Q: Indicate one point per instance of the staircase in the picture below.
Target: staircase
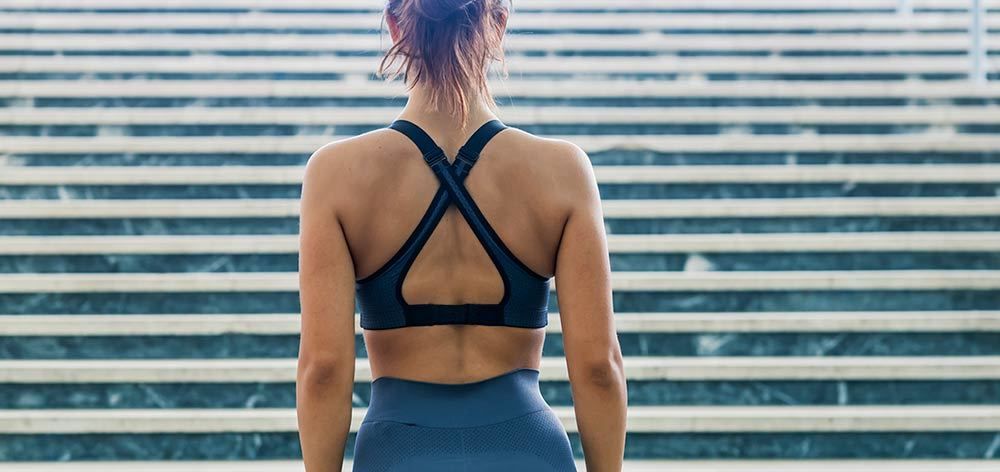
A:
(802, 200)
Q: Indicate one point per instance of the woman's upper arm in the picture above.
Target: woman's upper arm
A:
(583, 271)
(326, 270)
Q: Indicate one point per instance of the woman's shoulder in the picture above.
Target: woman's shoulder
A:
(349, 158)
(345, 151)
(546, 154)
(352, 161)
(560, 162)
(342, 166)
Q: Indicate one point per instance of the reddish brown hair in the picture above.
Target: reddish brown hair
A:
(447, 45)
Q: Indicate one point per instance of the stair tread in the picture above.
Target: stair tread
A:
(605, 174)
(648, 322)
(649, 419)
(858, 280)
(882, 368)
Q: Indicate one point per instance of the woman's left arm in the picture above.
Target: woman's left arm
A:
(325, 377)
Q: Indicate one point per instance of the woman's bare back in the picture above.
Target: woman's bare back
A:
(516, 185)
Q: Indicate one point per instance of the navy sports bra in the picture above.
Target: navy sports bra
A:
(525, 299)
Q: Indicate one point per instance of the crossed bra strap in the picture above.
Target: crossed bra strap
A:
(451, 176)
(434, 156)
(525, 299)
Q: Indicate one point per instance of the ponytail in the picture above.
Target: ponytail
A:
(448, 46)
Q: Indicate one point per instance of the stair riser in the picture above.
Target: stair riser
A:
(760, 261)
(913, 445)
(707, 301)
(608, 191)
(225, 226)
(762, 127)
(632, 344)
(618, 157)
(641, 392)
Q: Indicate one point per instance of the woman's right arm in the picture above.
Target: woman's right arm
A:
(593, 354)
(324, 382)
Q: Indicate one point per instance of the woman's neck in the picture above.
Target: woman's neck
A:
(441, 122)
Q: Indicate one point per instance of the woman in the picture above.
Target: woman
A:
(450, 266)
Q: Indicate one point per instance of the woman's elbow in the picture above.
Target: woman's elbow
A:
(604, 371)
(323, 374)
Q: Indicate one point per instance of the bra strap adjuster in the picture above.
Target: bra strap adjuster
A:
(434, 156)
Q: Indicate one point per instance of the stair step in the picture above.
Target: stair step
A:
(778, 344)
(646, 262)
(638, 174)
(532, 21)
(633, 209)
(740, 142)
(516, 116)
(660, 446)
(639, 253)
(930, 241)
(552, 369)
(629, 66)
(223, 225)
(621, 281)
(516, 87)
(832, 291)
(642, 419)
(610, 192)
(625, 323)
(601, 43)
(722, 392)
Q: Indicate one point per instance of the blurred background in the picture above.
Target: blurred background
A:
(802, 199)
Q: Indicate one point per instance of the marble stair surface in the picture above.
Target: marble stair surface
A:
(802, 201)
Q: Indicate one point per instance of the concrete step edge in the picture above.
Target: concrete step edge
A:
(632, 208)
(930, 141)
(895, 241)
(647, 41)
(524, 87)
(641, 419)
(622, 281)
(646, 21)
(652, 322)
(516, 116)
(638, 174)
(638, 368)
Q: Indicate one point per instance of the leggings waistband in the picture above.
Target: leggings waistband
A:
(443, 405)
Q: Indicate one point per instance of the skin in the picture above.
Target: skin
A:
(541, 197)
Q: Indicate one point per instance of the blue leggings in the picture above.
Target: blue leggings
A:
(498, 424)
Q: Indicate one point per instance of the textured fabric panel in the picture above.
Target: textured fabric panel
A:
(501, 423)
(382, 446)
(377, 302)
(539, 434)
(532, 442)
(528, 306)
